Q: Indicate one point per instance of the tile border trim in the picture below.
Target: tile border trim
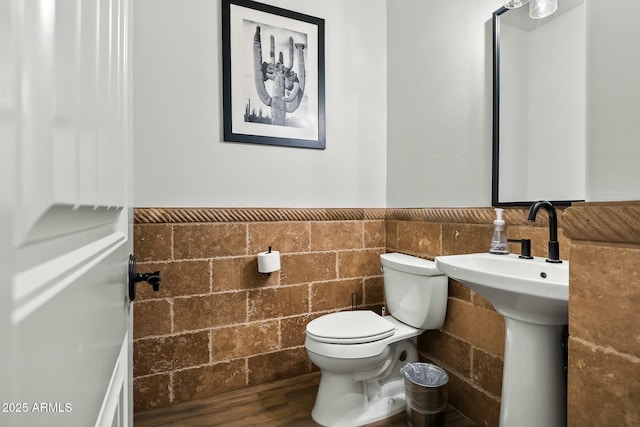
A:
(614, 222)
(484, 215)
(209, 215)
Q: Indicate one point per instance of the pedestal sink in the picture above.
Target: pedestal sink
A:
(533, 296)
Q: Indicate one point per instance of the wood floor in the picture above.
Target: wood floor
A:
(278, 404)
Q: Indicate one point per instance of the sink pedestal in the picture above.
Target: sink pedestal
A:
(533, 380)
(533, 297)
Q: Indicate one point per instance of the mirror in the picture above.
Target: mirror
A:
(539, 112)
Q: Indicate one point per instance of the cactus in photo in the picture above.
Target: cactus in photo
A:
(287, 87)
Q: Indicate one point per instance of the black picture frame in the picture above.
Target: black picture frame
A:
(286, 65)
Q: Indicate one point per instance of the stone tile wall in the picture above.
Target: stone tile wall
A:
(217, 324)
(470, 345)
(604, 319)
(188, 338)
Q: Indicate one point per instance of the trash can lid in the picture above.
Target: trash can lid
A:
(350, 327)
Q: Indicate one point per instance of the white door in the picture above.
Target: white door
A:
(65, 144)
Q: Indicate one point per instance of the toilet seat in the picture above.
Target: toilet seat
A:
(362, 350)
(350, 327)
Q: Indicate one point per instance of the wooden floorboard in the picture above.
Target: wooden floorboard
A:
(285, 403)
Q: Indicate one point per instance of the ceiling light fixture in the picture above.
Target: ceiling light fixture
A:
(514, 4)
(539, 9)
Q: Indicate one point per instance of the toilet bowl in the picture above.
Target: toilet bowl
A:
(360, 353)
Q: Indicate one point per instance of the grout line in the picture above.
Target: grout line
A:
(210, 346)
(171, 392)
(246, 370)
(171, 315)
(605, 349)
(172, 242)
(211, 276)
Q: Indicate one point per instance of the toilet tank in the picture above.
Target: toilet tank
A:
(415, 290)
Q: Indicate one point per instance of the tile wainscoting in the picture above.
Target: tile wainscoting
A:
(218, 325)
(604, 325)
(470, 345)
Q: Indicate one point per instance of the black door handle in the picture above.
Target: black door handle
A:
(153, 279)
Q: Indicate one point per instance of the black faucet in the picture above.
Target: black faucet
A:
(554, 246)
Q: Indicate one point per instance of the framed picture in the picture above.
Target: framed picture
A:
(273, 75)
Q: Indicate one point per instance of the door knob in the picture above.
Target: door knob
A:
(152, 279)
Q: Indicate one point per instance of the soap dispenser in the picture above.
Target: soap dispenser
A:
(499, 244)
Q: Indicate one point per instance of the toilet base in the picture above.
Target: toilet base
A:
(365, 397)
(354, 408)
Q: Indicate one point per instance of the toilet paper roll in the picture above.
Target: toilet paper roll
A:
(268, 262)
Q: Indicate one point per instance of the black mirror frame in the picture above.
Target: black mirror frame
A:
(495, 168)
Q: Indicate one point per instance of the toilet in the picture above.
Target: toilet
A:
(360, 353)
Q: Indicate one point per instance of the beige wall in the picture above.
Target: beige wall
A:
(181, 159)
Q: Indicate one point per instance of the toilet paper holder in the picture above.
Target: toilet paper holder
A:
(268, 261)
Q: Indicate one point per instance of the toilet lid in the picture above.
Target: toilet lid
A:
(350, 327)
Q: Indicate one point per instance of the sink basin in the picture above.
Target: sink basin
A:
(531, 290)
(533, 296)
